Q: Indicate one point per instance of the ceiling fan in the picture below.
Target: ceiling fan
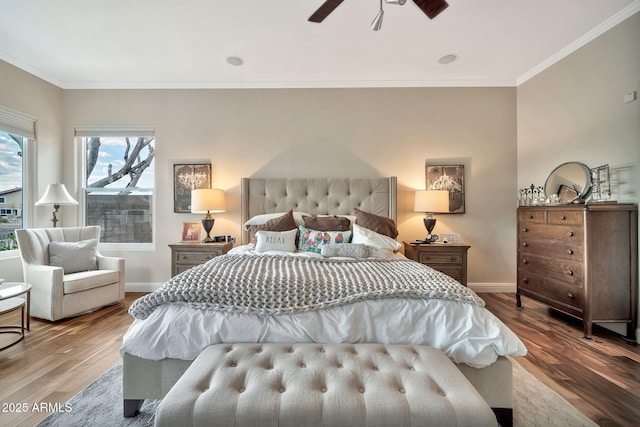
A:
(431, 8)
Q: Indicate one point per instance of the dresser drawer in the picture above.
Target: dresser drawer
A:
(192, 257)
(440, 257)
(552, 232)
(451, 271)
(531, 215)
(558, 269)
(567, 250)
(564, 217)
(551, 290)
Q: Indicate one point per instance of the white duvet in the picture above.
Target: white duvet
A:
(466, 333)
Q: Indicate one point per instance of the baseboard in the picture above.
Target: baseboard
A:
(141, 286)
(492, 287)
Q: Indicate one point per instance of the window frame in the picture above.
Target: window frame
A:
(81, 160)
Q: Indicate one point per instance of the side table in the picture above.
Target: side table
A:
(448, 258)
(187, 255)
(10, 300)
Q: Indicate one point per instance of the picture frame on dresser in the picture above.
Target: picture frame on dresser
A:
(191, 231)
(186, 178)
(450, 178)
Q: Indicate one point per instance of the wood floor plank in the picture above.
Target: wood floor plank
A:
(601, 378)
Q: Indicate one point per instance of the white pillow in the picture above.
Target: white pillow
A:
(380, 246)
(261, 219)
(283, 241)
(74, 256)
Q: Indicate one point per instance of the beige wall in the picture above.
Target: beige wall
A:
(324, 132)
(574, 111)
(30, 95)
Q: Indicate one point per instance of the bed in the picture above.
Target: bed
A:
(169, 333)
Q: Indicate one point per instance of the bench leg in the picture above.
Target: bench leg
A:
(504, 416)
(132, 407)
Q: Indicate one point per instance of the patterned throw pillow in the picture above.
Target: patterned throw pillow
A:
(349, 250)
(283, 241)
(313, 240)
(74, 256)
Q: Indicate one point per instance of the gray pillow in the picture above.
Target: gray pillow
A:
(351, 250)
(74, 256)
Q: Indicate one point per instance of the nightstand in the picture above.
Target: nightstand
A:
(448, 258)
(186, 255)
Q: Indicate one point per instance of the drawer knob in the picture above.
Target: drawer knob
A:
(570, 252)
(570, 295)
(525, 244)
(454, 258)
(183, 257)
(530, 216)
(563, 217)
(525, 229)
(570, 273)
(524, 261)
(525, 281)
(570, 234)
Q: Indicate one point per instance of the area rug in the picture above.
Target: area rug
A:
(100, 404)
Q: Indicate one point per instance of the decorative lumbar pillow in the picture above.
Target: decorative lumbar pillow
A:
(313, 240)
(349, 250)
(74, 256)
(377, 223)
(327, 223)
(285, 222)
(380, 246)
(284, 241)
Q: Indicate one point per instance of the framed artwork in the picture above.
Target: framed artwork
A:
(187, 177)
(191, 231)
(448, 177)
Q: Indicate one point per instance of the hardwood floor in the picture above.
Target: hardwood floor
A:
(56, 360)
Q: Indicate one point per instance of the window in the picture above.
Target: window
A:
(11, 184)
(118, 184)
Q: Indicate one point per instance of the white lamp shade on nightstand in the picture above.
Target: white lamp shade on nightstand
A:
(207, 200)
(432, 201)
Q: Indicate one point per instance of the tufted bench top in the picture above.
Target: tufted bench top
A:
(312, 384)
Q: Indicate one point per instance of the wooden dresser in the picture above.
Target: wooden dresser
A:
(449, 258)
(581, 260)
(187, 255)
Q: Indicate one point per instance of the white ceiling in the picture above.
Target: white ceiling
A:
(185, 43)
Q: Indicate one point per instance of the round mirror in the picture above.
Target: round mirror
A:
(570, 181)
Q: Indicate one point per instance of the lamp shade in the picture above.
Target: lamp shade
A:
(207, 200)
(432, 201)
(56, 194)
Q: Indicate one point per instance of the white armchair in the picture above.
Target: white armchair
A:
(56, 295)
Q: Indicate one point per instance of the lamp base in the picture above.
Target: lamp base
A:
(430, 224)
(207, 224)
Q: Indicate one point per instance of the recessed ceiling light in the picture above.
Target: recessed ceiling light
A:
(234, 60)
(447, 59)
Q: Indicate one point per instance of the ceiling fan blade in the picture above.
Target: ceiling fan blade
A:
(324, 10)
(431, 8)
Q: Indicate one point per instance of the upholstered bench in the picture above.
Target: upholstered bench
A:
(323, 384)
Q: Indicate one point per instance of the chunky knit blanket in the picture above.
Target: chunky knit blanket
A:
(285, 284)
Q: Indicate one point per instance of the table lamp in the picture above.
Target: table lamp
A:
(430, 202)
(209, 200)
(56, 195)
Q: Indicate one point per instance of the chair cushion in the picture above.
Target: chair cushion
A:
(84, 280)
(74, 256)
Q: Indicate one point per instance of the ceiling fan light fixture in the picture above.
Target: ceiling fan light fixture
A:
(447, 59)
(377, 21)
(398, 2)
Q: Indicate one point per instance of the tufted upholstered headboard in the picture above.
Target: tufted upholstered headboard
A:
(318, 196)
